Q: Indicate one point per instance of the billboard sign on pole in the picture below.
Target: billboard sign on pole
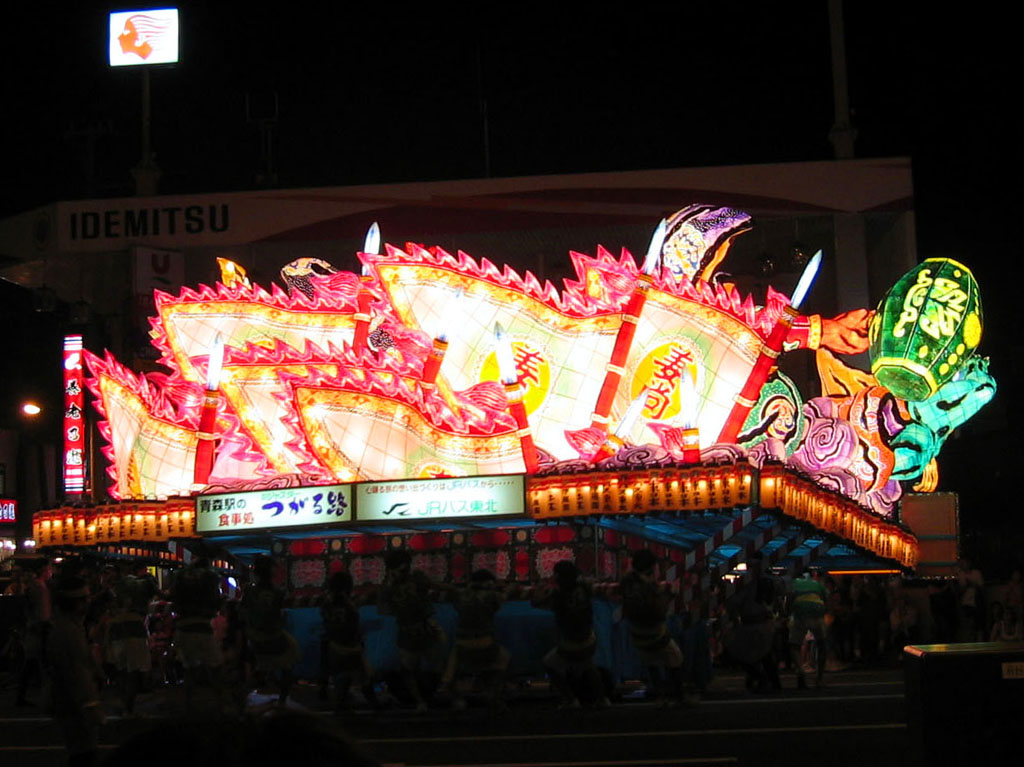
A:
(143, 37)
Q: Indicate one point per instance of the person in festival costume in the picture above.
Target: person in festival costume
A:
(196, 597)
(753, 609)
(75, 677)
(406, 594)
(127, 639)
(346, 658)
(807, 600)
(645, 606)
(572, 657)
(275, 650)
(476, 651)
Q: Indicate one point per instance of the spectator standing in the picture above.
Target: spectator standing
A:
(75, 677)
(1008, 627)
(127, 639)
(942, 604)
(970, 586)
(196, 597)
(1012, 594)
(903, 622)
(38, 616)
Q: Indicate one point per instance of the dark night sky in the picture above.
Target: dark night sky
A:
(376, 96)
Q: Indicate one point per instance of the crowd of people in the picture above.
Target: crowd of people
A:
(86, 628)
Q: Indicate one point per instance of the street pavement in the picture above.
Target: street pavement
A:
(858, 718)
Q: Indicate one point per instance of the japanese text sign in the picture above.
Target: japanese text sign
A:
(280, 507)
(447, 498)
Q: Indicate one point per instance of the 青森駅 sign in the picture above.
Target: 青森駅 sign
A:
(447, 498)
(280, 507)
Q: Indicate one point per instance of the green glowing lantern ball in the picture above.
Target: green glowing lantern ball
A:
(926, 327)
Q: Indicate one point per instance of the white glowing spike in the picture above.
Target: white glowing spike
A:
(653, 259)
(456, 306)
(215, 364)
(636, 407)
(806, 280)
(506, 359)
(372, 242)
(688, 400)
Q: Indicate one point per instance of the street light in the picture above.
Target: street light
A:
(31, 409)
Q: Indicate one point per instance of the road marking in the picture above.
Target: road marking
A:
(800, 699)
(102, 747)
(649, 734)
(830, 683)
(695, 760)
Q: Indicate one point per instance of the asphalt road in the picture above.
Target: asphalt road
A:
(858, 718)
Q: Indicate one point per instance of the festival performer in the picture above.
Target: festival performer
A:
(570, 662)
(127, 638)
(346, 659)
(807, 612)
(196, 597)
(262, 608)
(645, 606)
(753, 610)
(476, 651)
(406, 594)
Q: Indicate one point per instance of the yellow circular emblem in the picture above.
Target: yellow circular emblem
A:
(659, 372)
(533, 370)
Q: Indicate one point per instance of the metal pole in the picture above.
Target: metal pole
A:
(842, 134)
(145, 118)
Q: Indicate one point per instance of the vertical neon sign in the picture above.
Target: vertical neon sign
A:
(74, 417)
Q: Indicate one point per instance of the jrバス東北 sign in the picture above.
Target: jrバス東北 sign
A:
(280, 507)
(447, 498)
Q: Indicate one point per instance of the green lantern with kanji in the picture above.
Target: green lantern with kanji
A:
(926, 327)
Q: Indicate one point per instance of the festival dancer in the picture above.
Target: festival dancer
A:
(262, 608)
(346, 658)
(406, 594)
(571, 660)
(645, 606)
(476, 651)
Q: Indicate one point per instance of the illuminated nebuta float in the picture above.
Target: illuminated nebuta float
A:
(431, 364)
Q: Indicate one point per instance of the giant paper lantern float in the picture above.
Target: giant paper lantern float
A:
(399, 373)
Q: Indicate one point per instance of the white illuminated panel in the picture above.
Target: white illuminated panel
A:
(144, 37)
(265, 509)
(440, 498)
